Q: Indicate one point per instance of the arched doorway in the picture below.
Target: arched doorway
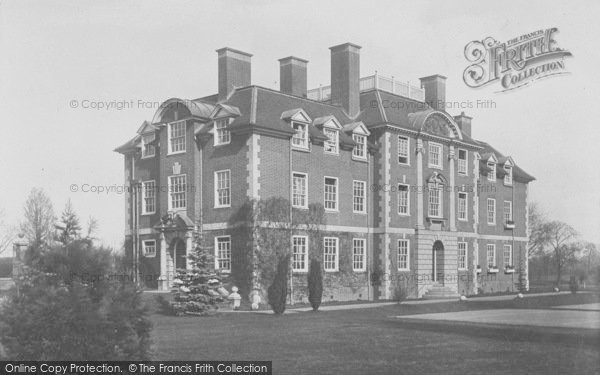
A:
(176, 257)
(438, 262)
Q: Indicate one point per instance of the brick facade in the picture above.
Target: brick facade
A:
(258, 160)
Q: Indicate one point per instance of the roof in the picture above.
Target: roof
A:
(260, 108)
(518, 173)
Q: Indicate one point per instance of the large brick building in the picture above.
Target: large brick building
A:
(411, 199)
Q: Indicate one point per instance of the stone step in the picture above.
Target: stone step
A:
(440, 292)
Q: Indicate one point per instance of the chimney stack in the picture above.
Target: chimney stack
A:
(292, 76)
(345, 77)
(464, 123)
(234, 70)
(435, 91)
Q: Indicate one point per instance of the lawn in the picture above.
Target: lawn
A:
(370, 341)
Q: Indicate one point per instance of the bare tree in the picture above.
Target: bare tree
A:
(539, 237)
(38, 226)
(561, 236)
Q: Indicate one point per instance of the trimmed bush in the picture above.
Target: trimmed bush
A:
(277, 292)
(315, 284)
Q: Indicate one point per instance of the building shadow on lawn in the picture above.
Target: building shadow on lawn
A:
(574, 337)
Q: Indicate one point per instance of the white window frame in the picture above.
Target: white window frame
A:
(400, 152)
(491, 211)
(405, 246)
(145, 191)
(463, 164)
(222, 135)
(360, 150)
(172, 192)
(433, 145)
(170, 139)
(149, 244)
(490, 247)
(508, 217)
(331, 146)
(462, 258)
(219, 261)
(506, 247)
(147, 146)
(508, 177)
(356, 199)
(336, 259)
(464, 208)
(359, 259)
(300, 142)
(407, 206)
(434, 187)
(491, 174)
(296, 193)
(299, 253)
(337, 194)
(217, 197)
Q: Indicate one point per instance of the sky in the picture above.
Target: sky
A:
(59, 59)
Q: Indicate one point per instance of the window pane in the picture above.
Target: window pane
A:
(358, 254)
(299, 262)
(360, 148)
(223, 188)
(330, 253)
(403, 199)
(403, 254)
(358, 199)
(224, 253)
(402, 150)
(177, 140)
(331, 144)
(299, 198)
(330, 194)
(462, 161)
(149, 195)
(178, 191)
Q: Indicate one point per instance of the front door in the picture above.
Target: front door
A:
(438, 262)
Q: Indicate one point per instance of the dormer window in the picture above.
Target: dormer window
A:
(331, 145)
(491, 171)
(300, 138)
(148, 149)
(360, 150)
(222, 135)
(508, 176)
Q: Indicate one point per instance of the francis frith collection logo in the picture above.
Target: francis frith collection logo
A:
(515, 63)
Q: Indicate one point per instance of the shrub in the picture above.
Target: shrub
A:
(573, 284)
(315, 284)
(61, 313)
(277, 292)
(400, 292)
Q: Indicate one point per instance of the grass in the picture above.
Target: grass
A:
(370, 341)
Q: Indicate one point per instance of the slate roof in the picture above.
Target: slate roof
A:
(261, 108)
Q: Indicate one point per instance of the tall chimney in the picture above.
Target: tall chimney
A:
(292, 76)
(435, 91)
(234, 70)
(345, 77)
(464, 123)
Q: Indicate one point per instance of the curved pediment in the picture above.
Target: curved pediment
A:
(437, 178)
(435, 123)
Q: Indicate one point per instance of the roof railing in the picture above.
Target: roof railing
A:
(375, 81)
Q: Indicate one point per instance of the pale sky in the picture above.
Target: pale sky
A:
(148, 51)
